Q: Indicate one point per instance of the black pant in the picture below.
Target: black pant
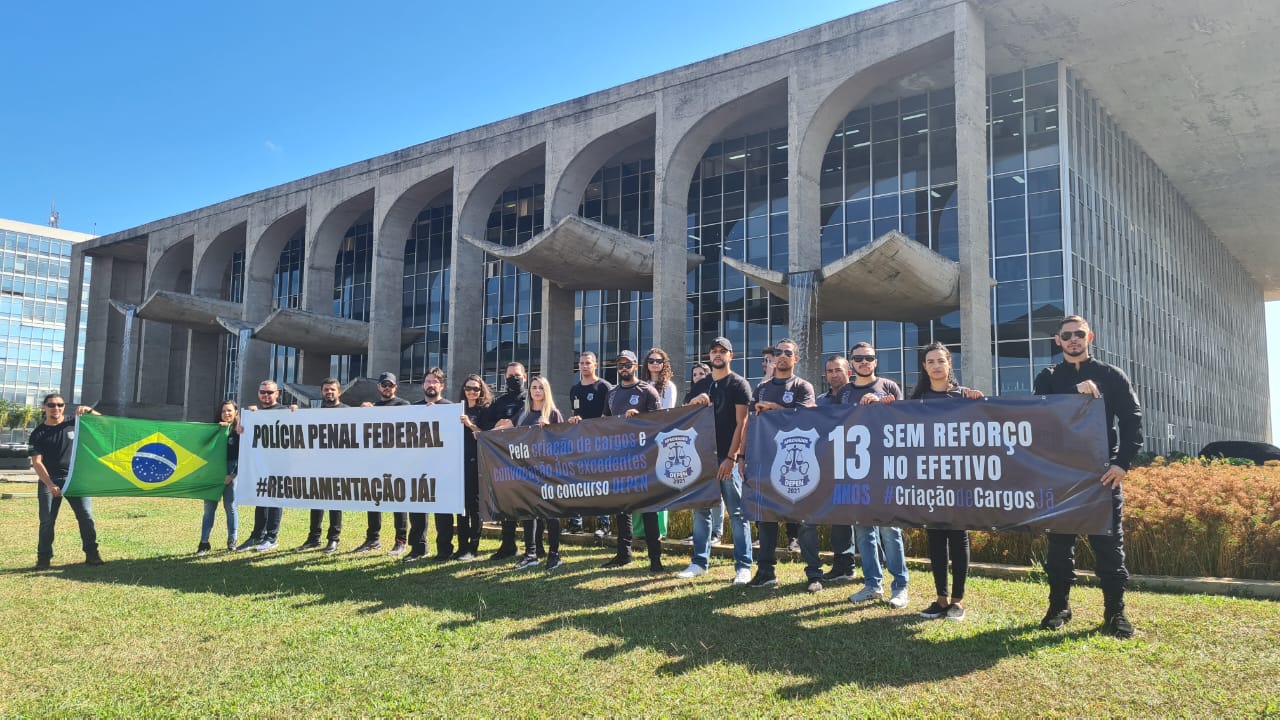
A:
(952, 544)
(469, 524)
(533, 536)
(374, 532)
(266, 523)
(317, 522)
(842, 549)
(625, 536)
(1060, 565)
(508, 535)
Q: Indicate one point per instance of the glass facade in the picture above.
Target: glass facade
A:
(1169, 304)
(233, 290)
(35, 272)
(286, 287)
(352, 285)
(512, 297)
(427, 256)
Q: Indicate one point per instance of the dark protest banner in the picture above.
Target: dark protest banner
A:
(406, 458)
(653, 461)
(1028, 464)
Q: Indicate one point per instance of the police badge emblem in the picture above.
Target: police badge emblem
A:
(678, 463)
(788, 396)
(795, 473)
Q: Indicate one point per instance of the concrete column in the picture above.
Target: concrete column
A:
(202, 371)
(971, 168)
(804, 239)
(123, 283)
(71, 330)
(385, 310)
(557, 341)
(670, 241)
(466, 300)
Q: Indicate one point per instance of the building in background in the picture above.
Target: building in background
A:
(35, 265)
(926, 170)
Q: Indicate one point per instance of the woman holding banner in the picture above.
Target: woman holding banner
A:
(228, 417)
(939, 383)
(476, 397)
(540, 409)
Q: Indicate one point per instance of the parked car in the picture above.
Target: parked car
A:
(1258, 452)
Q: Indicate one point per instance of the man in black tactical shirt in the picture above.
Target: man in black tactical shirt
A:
(587, 398)
(784, 390)
(432, 394)
(507, 406)
(387, 387)
(629, 398)
(52, 444)
(330, 397)
(1080, 373)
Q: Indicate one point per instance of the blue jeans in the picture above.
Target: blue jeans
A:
(731, 493)
(870, 541)
(211, 507)
(717, 519)
(49, 506)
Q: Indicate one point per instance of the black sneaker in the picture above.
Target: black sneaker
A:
(231, 544)
(617, 561)
(1117, 625)
(656, 566)
(309, 545)
(203, 549)
(1056, 617)
(251, 542)
(464, 556)
(43, 563)
(368, 546)
(794, 545)
(413, 557)
(763, 580)
(93, 558)
(331, 547)
(934, 611)
(554, 561)
(834, 575)
(503, 553)
(527, 562)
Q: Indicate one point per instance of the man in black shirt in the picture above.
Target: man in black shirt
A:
(785, 390)
(266, 520)
(728, 395)
(629, 398)
(387, 387)
(330, 397)
(1079, 373)
(587, 398)
(432, 394)
(52, 443)
(507, 406)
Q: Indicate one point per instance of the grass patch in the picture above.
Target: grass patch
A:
(156, 632)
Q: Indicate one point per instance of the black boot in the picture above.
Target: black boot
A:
(1114, 621)
(1059, 612)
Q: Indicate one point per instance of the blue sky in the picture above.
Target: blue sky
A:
(123, 113)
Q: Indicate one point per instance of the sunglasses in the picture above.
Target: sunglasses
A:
(625, 366)
(266, 392)
(55, 405)
(863, 358)
(788, 353)
(470, 388)
(1078, 334)
(385, 384)
(654, 361)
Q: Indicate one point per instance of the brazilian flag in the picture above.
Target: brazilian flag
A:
(136, 458)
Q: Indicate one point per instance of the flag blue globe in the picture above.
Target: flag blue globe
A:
(154, 463)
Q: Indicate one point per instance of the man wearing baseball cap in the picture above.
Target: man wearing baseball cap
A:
(630, 397)
(387, 387)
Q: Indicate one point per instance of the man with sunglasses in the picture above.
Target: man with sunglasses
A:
(266, 520)
(867, 389)
(52, 444)
(785, 390)
(387, 387)
(630, 397)
(1080, 373)
(432, 394)
(330, 397)
(587, 398)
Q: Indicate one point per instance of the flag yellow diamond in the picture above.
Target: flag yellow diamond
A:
(153, 462)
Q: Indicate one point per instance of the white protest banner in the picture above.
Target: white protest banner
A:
(403, 459)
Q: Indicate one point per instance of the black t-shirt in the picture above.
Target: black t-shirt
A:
(506, 406)
(588, 401)
(530, 419)
(726, 395)
(792, 392)
(54, 444)
(441, 401)
(480, 416)
(851, 394)
(955, 393)
(339, 404)
(1118, 398)
(641, 397)
(394, 401)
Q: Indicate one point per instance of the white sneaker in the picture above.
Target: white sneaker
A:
(866, 594)
(898, 600)
(692, 571)
(742, 576)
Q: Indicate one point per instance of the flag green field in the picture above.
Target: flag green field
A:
(140, 458)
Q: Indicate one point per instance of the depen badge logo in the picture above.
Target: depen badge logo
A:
(153, 462)
(678, 463)
(795, 472)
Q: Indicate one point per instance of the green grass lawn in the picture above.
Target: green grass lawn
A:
(156, 632)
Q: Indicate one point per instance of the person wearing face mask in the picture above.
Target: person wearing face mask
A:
(507, 406)
(1080, 373)
(387, 387)
(432, 394)
(330, 397)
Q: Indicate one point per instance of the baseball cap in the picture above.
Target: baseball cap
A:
(388, 377)
(628, 355)
(723, 342)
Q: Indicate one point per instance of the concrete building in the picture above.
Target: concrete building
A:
(925, 170)
(35, 265)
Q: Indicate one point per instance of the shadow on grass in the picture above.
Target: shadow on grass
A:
(822, 642)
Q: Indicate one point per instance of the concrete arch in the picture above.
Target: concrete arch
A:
(212, 265)
(322, 247)
(264, 256)
(480, 198)
(564, 199)
(392, 229)
(172, 270)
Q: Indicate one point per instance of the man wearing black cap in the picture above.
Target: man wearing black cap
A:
(728, 395)
(629, 398)
(387, 386)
